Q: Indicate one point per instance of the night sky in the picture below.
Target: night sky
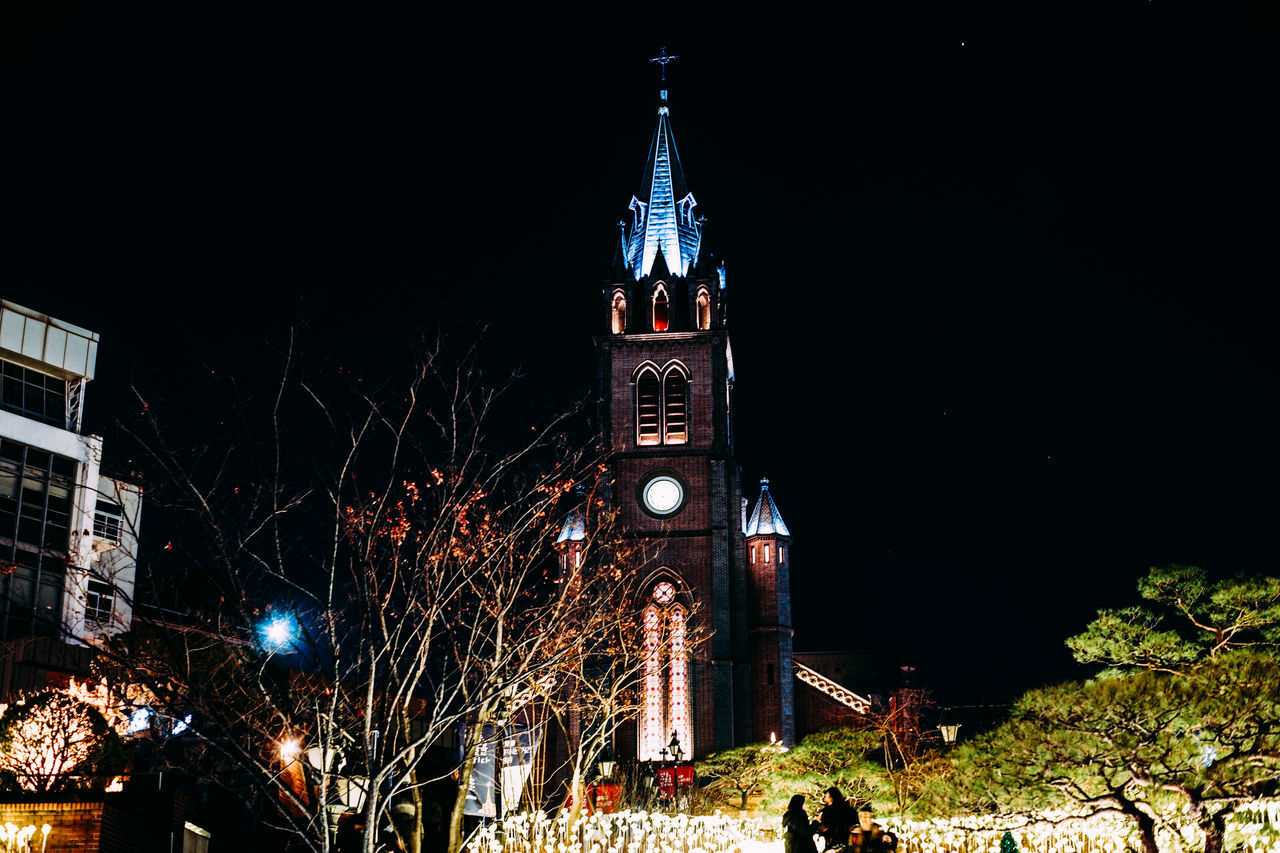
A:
(1002, 281)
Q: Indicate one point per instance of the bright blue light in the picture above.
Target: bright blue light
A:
(140, 720)
(181, 726)
(278, 632)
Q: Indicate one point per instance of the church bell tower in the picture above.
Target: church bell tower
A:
(665, 383)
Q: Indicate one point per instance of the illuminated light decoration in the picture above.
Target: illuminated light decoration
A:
(59, 733)
(662, 213)
(182, 725)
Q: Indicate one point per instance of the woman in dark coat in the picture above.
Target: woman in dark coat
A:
(796, 835)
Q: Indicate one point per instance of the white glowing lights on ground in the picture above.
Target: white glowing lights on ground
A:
(1256, 829)
(624, 832)
(15, 839)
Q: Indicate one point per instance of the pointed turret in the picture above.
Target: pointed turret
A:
(766, 520)
(768, 540)
(662, 212)
(572, 539)
(575, 528)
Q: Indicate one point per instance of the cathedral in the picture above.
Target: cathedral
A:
(664, 374)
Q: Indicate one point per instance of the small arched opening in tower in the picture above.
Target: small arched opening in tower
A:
(661, 308)
(648, 397)
(619, 314)
(675, 403)
(704, 309)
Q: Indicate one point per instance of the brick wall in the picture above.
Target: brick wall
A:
(77, 826)
(101, 823)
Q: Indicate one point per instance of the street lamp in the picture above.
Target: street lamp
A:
(674, 747)
(949, 732)
(278, 632)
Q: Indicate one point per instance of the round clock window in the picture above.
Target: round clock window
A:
(663, 495)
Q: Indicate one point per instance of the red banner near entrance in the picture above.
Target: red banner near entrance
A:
(607, 795)
(666, 782)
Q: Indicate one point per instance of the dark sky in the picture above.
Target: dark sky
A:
(1002, 283)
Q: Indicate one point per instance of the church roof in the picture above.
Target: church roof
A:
(575, 528)
(766, 519)
(662, 213)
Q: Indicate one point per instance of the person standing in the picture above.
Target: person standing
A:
(835, 819)
(797, 837)
(868, 836)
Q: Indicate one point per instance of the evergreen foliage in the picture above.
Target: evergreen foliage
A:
(1184, 729)
(1193, 619)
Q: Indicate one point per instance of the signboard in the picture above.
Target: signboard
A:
(518, 746)
(684, 775)
(666, 782)
(607, 796)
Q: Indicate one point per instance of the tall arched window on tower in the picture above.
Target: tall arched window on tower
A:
(666, 675)
(704, 308)
(661, 308)
(648, 408)
(618, 315)
(675, 399)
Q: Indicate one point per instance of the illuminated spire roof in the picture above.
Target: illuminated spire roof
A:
(575, 528)
(766, 520)
(662, 214)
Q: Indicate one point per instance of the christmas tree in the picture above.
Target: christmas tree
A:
(1007, 844)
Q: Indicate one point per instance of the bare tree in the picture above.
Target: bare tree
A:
(367, 573)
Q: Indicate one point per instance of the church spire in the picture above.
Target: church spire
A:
(662, 212)
(766, 520)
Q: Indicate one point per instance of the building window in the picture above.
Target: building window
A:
(662, 406)
(661, 309)
(619, 314)
(674, 405)
(766, 553)
(35, 518)
(782, 553)
(666, 675)
(33, 394)
(107, 517)
(648, 410)
(98, 602)
(753, 553)
(704, 309)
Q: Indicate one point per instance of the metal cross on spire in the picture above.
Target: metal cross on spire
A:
(662, 59)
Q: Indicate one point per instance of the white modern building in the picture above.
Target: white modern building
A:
(68, 534)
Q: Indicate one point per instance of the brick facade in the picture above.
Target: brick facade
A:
(101, 823)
